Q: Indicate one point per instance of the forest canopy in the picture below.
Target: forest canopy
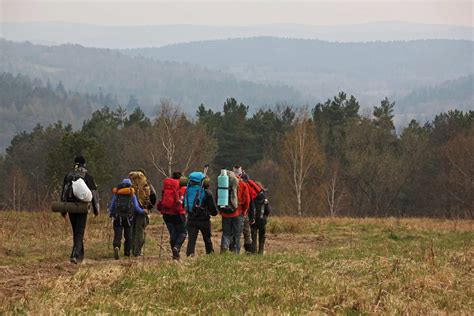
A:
(322, 160)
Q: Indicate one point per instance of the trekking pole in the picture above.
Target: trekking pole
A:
(161, 239)
(144, 242)
(65, 235)
(108, 235)
(206, 167)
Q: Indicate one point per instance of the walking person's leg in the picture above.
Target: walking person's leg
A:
(117, 237)
(79, 229)
(127, 233)
(206, 236)
(181, 234)
(254, 229)
(226, 233)
(138, 234)
(133, 234)
(237, 223)
(172, 232)
(73, 220)
(247, 235)
(261, 236)
(193, 231)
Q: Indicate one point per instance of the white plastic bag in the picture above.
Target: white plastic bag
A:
(81, 191)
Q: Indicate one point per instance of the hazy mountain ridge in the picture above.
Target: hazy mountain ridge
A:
(90, 69)
(159, 35)
(319, 69)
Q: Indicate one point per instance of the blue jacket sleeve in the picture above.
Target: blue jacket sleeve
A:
(112, 207)
(137, 207)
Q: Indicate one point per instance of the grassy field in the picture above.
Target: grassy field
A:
(312, 265)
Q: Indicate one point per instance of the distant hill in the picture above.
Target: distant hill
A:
(25, 103)
(449, 95)
(159, 35)
(87, 70)
(318, 69)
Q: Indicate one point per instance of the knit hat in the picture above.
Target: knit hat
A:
(176, 175)
(244, 177)
(80, 160)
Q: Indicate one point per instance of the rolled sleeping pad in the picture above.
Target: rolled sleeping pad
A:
(70, 207)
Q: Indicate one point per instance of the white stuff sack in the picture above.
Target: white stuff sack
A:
(81, 190)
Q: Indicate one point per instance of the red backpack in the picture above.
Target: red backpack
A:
(170, 200)
(254, 189)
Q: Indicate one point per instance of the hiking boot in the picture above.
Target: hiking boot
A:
(248, 248)
(261, 249)
(116, 253)
(73, 260)
(175, 253)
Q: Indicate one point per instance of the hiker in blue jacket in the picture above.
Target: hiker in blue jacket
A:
(123, 208)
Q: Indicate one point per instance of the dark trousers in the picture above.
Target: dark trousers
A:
(259, 229)
(193, 230)
(123, 226)
(78, 223)
(176, 225)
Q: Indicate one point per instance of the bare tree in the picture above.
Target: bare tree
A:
(18, 189)
(178, 142)
(333, 189)
(301, 155)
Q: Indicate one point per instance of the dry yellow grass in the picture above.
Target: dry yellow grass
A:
(313, 265)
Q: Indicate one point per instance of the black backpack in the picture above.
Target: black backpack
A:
(123, 203)
(259, 205)
(73, 175)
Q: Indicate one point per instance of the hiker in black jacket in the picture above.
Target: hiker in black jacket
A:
(79, 220)
(202, 222)
(259, 217)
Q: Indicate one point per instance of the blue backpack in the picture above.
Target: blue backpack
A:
(194, 195)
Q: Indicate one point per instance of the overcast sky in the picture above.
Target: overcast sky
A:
(225, 12)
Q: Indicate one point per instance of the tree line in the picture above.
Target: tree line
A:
(328, 160)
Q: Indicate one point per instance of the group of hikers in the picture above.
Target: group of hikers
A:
(186, 204)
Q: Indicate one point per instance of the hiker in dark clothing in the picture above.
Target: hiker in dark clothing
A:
(261, 213)
(123, 208)
(79, 220)
(201, 221)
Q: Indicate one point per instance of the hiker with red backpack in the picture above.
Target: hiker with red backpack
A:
(254, 190)
(200, 206)
(174, 215)
(123, 209)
